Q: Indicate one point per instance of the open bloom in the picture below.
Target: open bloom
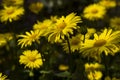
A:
(108, 3)
(107, 42)
(75, 43)
(42, 26)
(2, 77)
(12, 2)
(96, 75)
(63, 27)
(30, 37)
(93, 66)
(11, 13)
(115, 23)
(31, 59)
(94, 12)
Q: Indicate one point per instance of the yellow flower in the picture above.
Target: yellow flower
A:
(94, 12)
(42, 26)
(63, 67)
(107, 42)
(96, 75)
(108, 3)
(75, 43)
(31, 59)
(2, 77)
(11, 13)
(36, 7)
(12, 2)
(63, 27)
(93, 66)
(4, 38)
(30, 37)
(115, 23)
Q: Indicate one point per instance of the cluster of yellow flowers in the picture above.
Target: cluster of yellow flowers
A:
(61, 30)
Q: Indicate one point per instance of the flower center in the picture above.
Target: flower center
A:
(32, 59)
(75, 41)
(10, 11)
(99, 43)
(33, 36)
(62, 25)
(94, 11)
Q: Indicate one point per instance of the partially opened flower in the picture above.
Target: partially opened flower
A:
(28, 38)
(11, 13)
(94, 12)
(63, 27)
(31, 59)
(63, 67)
(36, 7)
(107, 42)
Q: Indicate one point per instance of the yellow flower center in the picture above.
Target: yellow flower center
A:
(99, 43)
(94, 11)
(75, 41)
(10, 11)
(32, 59)
(33, 36)
(62, 25)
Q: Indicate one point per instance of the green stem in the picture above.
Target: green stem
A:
(68, 42)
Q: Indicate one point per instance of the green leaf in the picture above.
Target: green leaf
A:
(63, 74)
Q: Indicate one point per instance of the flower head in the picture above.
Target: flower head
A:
(63, 27)
(11, 13)
(115, 23)
(4, 38)
(94, 12)
(31, 59)
(96, 75)
(36, 7)
(108, 3)
(42, 26)
(30, 37)
(12, 2)
(75, 43)
(107, 42)
(93, 66)
(2, 77)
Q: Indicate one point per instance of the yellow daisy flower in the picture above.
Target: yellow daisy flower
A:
(94, 12)
(107, 42)
(42, 26)
(93, 66)
(96, 75)
(63, 27)
(75, 43)
(108, 3)
(115, 23)
(36, 7)
(12, 2)
(30, 37)
(2, 77)
(11, 13)
(4, 38)
(31, 59)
